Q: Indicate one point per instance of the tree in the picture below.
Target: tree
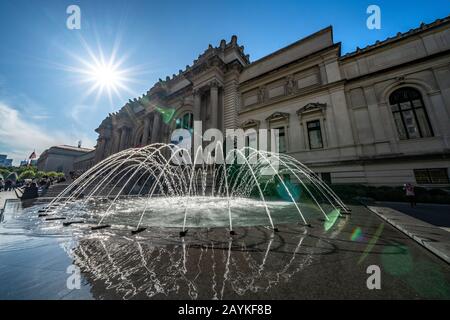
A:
(4, 172)
(27, 174)
(40, 174)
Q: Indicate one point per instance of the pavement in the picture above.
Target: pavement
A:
(4, 195)
(435, 214)
(406, 219)
(326, 261)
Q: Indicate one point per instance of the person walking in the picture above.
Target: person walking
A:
(8, 184)
(410, 194)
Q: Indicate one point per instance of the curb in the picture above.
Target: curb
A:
(426, 243)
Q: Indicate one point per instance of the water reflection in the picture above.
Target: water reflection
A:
(128, 268)
(208, 264)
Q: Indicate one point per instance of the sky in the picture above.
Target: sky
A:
(50, 75)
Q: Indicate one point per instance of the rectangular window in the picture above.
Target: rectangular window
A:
(251, 141)
(314, 134)
(281, 139)
(326, 177)
(431, 176)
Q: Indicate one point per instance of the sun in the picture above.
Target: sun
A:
(105, 76)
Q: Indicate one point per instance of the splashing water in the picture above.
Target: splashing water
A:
(142, 187)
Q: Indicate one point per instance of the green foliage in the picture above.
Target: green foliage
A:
(4, 172)
(30, 173)
(27, 174)
(40, 174)
(52, 174)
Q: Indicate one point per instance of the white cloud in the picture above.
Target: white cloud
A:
(77, 112)
(19, 137)
(40, 117)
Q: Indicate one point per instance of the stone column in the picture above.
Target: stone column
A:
(146, 131)
(100, 150)
(116, 142)
(106, 149)
(123, 138)
(374, 114)
(214, 92)
(341, 117)
(156, 128)
(439, 113)
(197, 105)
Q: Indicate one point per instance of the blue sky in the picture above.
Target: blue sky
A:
(44, 102)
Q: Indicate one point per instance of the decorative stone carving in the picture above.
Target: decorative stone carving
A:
(312, 107)
(262, 94)
(214, 84)
(290, 85)
(250, 123)
(278, 116)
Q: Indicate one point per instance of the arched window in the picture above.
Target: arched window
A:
(410, 115)
(185, 122)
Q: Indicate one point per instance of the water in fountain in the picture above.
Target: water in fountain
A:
(142, 187)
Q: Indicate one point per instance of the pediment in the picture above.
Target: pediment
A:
(250, 123)
(278, 116)
(312, 107)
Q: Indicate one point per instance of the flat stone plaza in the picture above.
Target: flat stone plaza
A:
(324, 261)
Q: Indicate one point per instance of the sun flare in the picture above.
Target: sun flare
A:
(105, 76)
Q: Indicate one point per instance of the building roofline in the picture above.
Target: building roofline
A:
(72, 148)
(300, 41)
(399, 36)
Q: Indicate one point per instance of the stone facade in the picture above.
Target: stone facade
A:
(61, 158)
(377, 116)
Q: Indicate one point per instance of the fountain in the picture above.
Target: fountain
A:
(142, 187)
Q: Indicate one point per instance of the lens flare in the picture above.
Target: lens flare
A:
(166, 113)
(357, 235)
(332, 218)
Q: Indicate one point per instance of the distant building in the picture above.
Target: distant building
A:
(84, 162)
(4, 161)
(24, 163)
(60, 158)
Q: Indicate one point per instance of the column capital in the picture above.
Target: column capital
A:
(214, 84)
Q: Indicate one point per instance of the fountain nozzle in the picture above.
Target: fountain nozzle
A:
(68, 223)
(104, 226)
(232, 232)
(139, 230)
(183, 233)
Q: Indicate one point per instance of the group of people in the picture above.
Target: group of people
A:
(32, 185)
(8, 185)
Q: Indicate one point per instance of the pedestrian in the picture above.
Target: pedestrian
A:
(410, 194)
(8, 184)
